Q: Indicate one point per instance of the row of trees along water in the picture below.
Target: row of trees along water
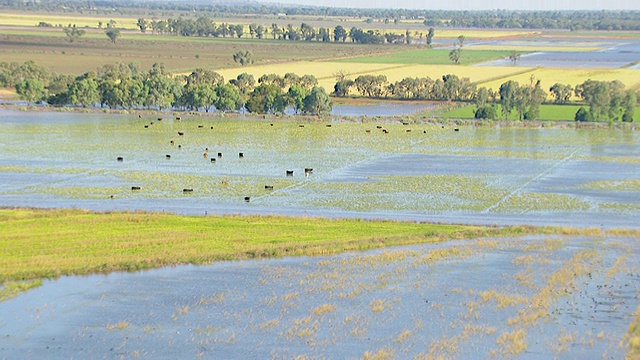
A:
(503, 19)
(127, 86)
(606, 100)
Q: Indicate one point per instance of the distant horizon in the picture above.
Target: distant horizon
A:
(533, 5)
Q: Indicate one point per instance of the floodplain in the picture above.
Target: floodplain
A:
(536, 296)
(363, 167)
(565, 292)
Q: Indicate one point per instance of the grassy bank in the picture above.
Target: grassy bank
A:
(549, 112)
(50, 243)
(40, 244)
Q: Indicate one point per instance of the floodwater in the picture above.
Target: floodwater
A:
(405, 301)
(380, 109)
(533, 297)
(563, 177)
(614, 54)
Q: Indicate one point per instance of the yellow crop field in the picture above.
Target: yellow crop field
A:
(64, 20)
(475, 73)
(321, 70)
(397, 73)
(325, 71)
(549, 76)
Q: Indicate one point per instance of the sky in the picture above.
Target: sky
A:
(474, 4)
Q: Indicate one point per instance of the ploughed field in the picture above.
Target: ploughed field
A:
(485, 175)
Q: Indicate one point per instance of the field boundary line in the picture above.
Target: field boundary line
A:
(517, 73)
(519, 188)
(307, 181)
(370, 71)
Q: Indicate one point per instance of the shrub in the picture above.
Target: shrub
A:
(486, 112)
(582, 115)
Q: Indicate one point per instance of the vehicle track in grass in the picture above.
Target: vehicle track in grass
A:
(526, 183)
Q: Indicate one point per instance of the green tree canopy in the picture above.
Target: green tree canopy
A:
(31, 90)
(113, 34)
(317, 102)
(73, 32)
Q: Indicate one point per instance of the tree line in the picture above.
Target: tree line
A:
(512, 19)
(127, 86)
(606, 100)
(204, 26)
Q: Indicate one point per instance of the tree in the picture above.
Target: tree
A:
(371, 85)
(605, 99)
(84, 91)
(629, 104)
(408, 37)
(481, 97)
(485, 112)
(508, 97)
(275, 31)
(296, 96)
(455, 55)
(514, 57)
(339, 34)
(31, 90)
(456, 52)
(73, 32)
(239, 30)
(142, 25)
(308, 81)
(308, 32)
(561, 92)
(58, 88)
(199, 95)
(113, 34)
(272, 79)
(430, 35)
(266, 98)
(291, 79)
(582, 115)
(203, 76)
(228, 98)
(260, 31)
(342, 87)
(244, 82)
(317, 102)
(243, 57)
(160, 87)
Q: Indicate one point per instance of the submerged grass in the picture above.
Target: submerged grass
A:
(633, 337)
(10, 289)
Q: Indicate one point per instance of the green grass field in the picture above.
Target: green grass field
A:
(431, 57)
(50, 243)
(548, 112)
